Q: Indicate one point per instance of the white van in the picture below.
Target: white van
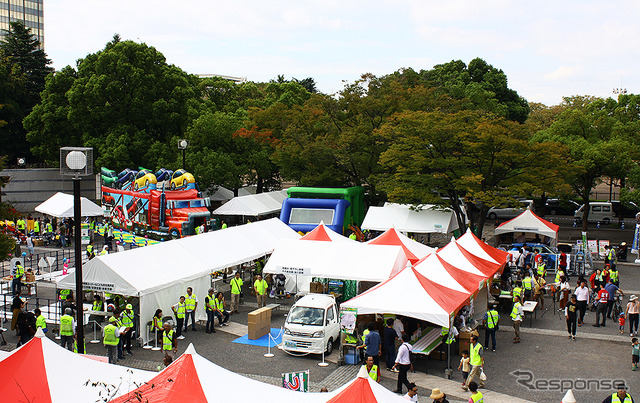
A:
(312, 325)
(598, 212)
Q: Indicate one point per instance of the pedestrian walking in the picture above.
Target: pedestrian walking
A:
(128, 321)
(438, 396)
(390, 337)
(621, 396)
(110, 340)
(169, 341)
(236, 292)
(582, 294)
(517, 315)
(571, 314)
(632, 313)
(612, 289)
(403, 363)
(476, 359)
(67, 329)
(464, 366)
(179, 311)
(476, 395)
(491, 320)
(191, 303)
(635, 353)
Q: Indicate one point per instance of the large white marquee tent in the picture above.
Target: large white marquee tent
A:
(160, 273)
(254, 205)
(60, 205)
(429, 219)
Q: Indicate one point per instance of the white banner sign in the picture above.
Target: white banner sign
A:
(298, 271)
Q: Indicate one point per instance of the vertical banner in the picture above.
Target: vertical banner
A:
(601, 250)
(84, 233)
(636, 240)
(584, 241)
(296, 381)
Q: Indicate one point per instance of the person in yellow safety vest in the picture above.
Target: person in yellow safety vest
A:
(48, 228)
(476, 395)
(169, 341)
(476, 361)
(527, 283)
(559, 273)
(67, 329)
(224, 225)
(36, 227)
(179, 310)
(236, 290)
(260, 286)
(517, 290)
(372, 369)
(17, 278)
(41, 322)
(209, 308)
(157, 325)
(615, 276)
(111, 340)
(90, 254)
(219, 310)
(365, 332)
(542, 270)
(491, 320)
(517, 314)
(20, 224)
(191, 303)
(115, 321)
(621, 396)
(128, 321)
(353, 236)
(75, 347)
(104, 250)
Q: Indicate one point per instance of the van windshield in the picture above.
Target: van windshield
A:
(302, 315)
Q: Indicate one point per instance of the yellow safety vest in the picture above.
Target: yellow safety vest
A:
(559, 274)
(260, 287)
(63, 294)
(373, 372)
(475, 358)
(527, 283)
(190, 302)
(211, 304)
(41, 322)
(19, 270)
(541, 270)
(167, 340)
(514, 311)
(66, 325)
(157, 323)
(127, 319)
(477, 397)
(236, 285)
(350, 339)
(49, 227)
(364, 334)
(110, 338)
(182, 309)
(75, 346)
(613, 275)
(89, 249)
(116, 321)
(517, 292)
(36, 227)
(219, 304)
(98, 306)
(492, 318)
(616, 399)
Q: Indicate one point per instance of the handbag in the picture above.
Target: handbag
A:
(483, 376)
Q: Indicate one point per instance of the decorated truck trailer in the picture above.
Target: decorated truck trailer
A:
(136, 201)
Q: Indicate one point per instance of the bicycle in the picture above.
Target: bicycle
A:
(617, 307)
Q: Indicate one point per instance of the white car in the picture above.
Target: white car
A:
(312, 325)
(509, 212)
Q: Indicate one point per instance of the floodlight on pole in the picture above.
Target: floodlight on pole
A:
(182, 145)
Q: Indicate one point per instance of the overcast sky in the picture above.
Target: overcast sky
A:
(548, 49)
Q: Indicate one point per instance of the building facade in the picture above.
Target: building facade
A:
(30, 12)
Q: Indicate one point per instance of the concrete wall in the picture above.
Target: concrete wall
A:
(30, 187)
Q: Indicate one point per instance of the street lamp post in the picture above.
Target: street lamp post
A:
(182, 145)
(77, 161)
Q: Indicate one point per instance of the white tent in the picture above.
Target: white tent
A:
(160, 273)
(253, 205)
(429, 219)
(60, 205)
(413, 249)
(348, 261)
(528, 221)
(323, 233)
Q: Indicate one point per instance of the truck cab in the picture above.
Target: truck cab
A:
(312, 325)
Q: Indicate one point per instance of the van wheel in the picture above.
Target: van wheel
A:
(606, 221)
(329, 349)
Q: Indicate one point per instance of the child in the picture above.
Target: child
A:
(65, 266)
(621, 320)
(635, 353)
(464, 365)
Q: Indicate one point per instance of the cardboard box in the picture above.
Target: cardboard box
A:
(259, 323)
(30, 277)
(467, 335)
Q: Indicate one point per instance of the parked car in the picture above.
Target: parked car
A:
(549, 254)
(598, 212)
(312, 325)
(509, 212)
(561, 207)
(624, 209)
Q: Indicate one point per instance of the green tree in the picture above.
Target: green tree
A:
(24, 67)
(472, 157)
(596, 149)
(126, 102)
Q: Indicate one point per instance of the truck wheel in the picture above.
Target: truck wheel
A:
(135, 186)
(329, 346)
(173, 186)
(175, 234)
(146, 183)
(184, 183)
(493, 216)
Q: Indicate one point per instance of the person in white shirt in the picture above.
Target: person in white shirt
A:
(582, 295)
(412, 394)
(403, 363)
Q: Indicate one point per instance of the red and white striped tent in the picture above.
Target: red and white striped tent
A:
(326, 234)
(414, 250)
(42, 371)
(363, 389)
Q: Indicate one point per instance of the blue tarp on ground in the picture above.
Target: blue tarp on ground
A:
(276, 338)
